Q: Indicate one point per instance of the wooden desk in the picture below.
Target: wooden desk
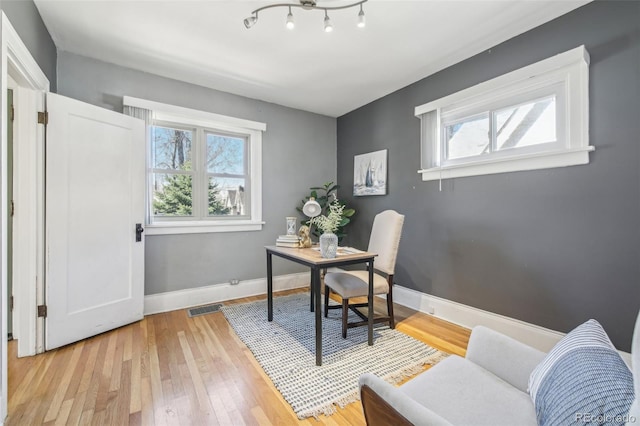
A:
(311, 258)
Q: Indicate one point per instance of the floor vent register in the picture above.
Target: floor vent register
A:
(203, 310)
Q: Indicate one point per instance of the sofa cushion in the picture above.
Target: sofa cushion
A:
(487, 400)
(582, 379)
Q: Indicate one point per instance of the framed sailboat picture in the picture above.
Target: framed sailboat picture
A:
(370, 173)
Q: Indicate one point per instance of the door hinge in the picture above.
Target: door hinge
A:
(43, 118)
(13, 208)
(11, 303)
(13, 113)
(42, 311)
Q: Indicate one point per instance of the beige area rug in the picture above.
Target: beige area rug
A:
(285, 348)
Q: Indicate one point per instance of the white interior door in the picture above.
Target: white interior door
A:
(95, 179)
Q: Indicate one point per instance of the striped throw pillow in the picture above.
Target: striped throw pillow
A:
(582, 380)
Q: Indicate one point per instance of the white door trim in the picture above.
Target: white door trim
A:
(27, 256)
(16, 59)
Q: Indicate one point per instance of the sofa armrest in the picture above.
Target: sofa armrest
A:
(384, 404)
(507, 358)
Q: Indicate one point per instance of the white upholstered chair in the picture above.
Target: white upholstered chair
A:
(384, 241)
(490, 386)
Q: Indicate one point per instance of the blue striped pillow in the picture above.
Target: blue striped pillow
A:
(582, 380)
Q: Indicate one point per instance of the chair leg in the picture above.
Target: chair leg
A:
(326, 301)
(392, 322)
(345, 315)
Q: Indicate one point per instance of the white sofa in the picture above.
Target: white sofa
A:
(487, 387)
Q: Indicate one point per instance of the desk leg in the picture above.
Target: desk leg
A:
(269, 287)
(311, 291)
(370, 307)
(315, 284)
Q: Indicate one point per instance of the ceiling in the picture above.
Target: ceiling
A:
(205, 43)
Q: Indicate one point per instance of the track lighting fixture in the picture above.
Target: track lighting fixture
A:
(308, 5)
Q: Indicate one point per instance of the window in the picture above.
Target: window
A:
(172, 174)
(204, 171)
(183, 186)
(532, 118)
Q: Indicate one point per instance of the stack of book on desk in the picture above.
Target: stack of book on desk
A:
(288, 241)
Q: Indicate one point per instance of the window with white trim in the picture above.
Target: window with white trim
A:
(204, 171)
(532, 118)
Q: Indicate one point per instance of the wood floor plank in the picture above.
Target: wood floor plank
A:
(89, 367)
(127, 351)
(260, 416)
(63, 414)
(60, 393)
(86, 418)
(26, 393)
(76, 409)
(146, 399)
(135, 403)
(170, 369)
(118, 359)
(50, 387)
(118, 409)
(157, 395)
(135, 419)
(103, 380)
(201, 390)
(224, 407)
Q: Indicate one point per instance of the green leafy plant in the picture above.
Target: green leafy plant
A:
(325, 195)
(332, 221)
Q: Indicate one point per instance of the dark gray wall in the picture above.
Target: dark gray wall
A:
(26, 20)
(551, 247)
(299, 151)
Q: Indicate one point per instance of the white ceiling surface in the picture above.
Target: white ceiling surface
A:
(205, 43)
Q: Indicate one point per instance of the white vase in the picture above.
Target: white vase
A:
(328, 245)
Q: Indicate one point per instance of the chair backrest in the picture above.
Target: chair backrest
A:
(385, 239)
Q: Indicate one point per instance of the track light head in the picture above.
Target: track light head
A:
(362, 20)
(328, 27)
(250, 21)
(290, 24)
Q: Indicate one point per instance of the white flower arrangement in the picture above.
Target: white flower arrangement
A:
(330, 222)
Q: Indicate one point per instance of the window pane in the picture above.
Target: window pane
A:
(468, 138)
(171, 148)
(225, 154)
(172, 194)
(227, 196)
(532, 123)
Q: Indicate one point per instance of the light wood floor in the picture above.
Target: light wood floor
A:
(171, 369)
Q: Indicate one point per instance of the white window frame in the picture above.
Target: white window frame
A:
(166, 114)
(566, 76)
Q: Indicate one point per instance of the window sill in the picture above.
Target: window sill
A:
(202, 227)
(544, 160)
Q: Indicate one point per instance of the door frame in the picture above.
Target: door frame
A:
(16, 60)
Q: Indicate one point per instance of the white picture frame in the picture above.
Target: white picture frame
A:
(370, 173)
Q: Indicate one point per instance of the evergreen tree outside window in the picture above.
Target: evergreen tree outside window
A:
(179, 173)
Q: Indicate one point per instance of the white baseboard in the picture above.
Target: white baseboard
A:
(180, 299)
(469, 317)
